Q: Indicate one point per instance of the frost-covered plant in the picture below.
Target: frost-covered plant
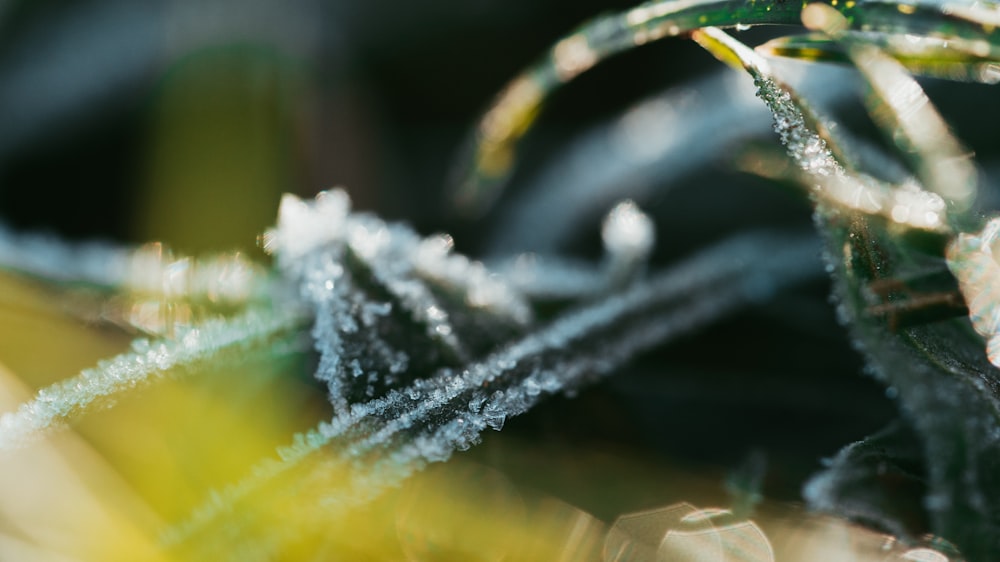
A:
(421, 349)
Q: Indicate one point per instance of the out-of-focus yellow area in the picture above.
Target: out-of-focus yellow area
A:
(105, 489)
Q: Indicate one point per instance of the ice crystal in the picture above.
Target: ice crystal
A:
(908, 204)
(175, 299)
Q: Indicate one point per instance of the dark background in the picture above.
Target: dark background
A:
(375, 96)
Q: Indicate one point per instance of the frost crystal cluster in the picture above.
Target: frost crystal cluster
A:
(387, 303)
(470, 356)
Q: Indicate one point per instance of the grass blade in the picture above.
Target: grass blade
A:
(815, 152)
(900, 106)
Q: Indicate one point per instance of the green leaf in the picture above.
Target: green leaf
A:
(946, 387)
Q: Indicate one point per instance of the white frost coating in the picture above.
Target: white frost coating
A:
(392, 250)
(908, 204)
(58, 403)
(150, 270)
(313, 243)
(483, 289)
(449, 411)
(972, 258)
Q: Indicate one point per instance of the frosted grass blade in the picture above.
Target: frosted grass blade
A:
(815, 152)
(146, 273)
(59, 404)
(385, 440)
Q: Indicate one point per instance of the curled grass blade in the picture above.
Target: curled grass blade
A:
(487, 164)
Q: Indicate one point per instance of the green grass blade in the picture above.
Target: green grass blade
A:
(932, 57)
